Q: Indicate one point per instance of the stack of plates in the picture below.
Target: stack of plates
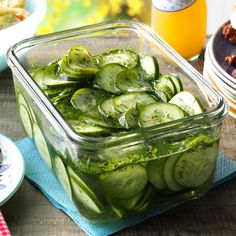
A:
(218, 72)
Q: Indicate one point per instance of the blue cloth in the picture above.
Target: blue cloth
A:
(39, 174)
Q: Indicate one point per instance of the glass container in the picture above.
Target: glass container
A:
(108, 178)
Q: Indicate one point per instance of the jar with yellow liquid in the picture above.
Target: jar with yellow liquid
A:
(182, 24)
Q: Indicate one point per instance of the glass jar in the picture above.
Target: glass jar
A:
(107, 177)
(182, 24)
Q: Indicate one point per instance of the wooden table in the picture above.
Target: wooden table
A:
(29, 213)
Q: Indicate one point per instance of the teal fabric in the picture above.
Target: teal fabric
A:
(39, 174)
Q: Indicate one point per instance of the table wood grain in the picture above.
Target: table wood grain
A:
(29, 213)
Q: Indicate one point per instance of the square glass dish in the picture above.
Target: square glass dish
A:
(125, 173)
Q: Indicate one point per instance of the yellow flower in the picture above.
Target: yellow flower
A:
(115, 7)
(135, 7)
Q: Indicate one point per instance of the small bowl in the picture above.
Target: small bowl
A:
(219, 48)
(217, 71)
(23, 29)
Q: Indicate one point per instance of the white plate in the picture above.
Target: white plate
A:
(12, 169)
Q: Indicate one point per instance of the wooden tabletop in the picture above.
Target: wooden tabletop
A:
(29, 213)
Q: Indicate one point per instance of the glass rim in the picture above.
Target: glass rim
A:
(215, 115)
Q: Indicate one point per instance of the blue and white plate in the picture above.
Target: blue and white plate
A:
(12, 169)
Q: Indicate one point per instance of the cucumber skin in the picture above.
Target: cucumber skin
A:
(115, 56)
(196, 174)
(134, 179)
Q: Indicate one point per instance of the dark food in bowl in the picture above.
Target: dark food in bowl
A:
(106, 95)
(11, 12)
(231, 60)
(229, 33)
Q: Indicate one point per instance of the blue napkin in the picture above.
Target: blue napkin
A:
(39, 174)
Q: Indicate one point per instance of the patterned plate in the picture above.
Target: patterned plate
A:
(12, 169)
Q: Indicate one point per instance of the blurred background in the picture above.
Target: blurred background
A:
(65, 14)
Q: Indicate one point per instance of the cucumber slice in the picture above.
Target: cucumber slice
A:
(33, 116)
(66, 69)
(130, 81)
(62, 175)
(188, 102)
(193, 169)
(52, 92)
(155, 173)
(177, 82)
(150, 66)
(21, 100)
(168, 173)
(129, 101)
(59, 84)
(80, 60)
(99, 121)
(88, 129)
(83, 193)
(162, 91)
(26, 120)
(41, 145)
(165, 80)
(131, 118)
(128, 203)
(158, 113)
(108, 109)
(124, 57)
(46, 75)
(87, 99)
(107, 75)
(125, 182)
(145, 199)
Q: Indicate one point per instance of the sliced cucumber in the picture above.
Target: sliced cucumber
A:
(177, 82)
(108, 109)
(125, 182)
(145, 199)
(87, 99)
(88, 129)
(107, 75)
(62, 175)
(130, 81)
(46, 75)
(41, 145)
(83, 193)
(158, 113)
(80, 60)
(21, 100)
(131, 118)
(129, 101)
(193, 169)
(99, 121)
(32, 113)
(155, 173)
(168, 173)
(128, 203)
(188, 102)
(167, 81)
(66, 69)
(59, 84)
(124, 57)
(26, 120)
(163, 91)
(150, 66)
